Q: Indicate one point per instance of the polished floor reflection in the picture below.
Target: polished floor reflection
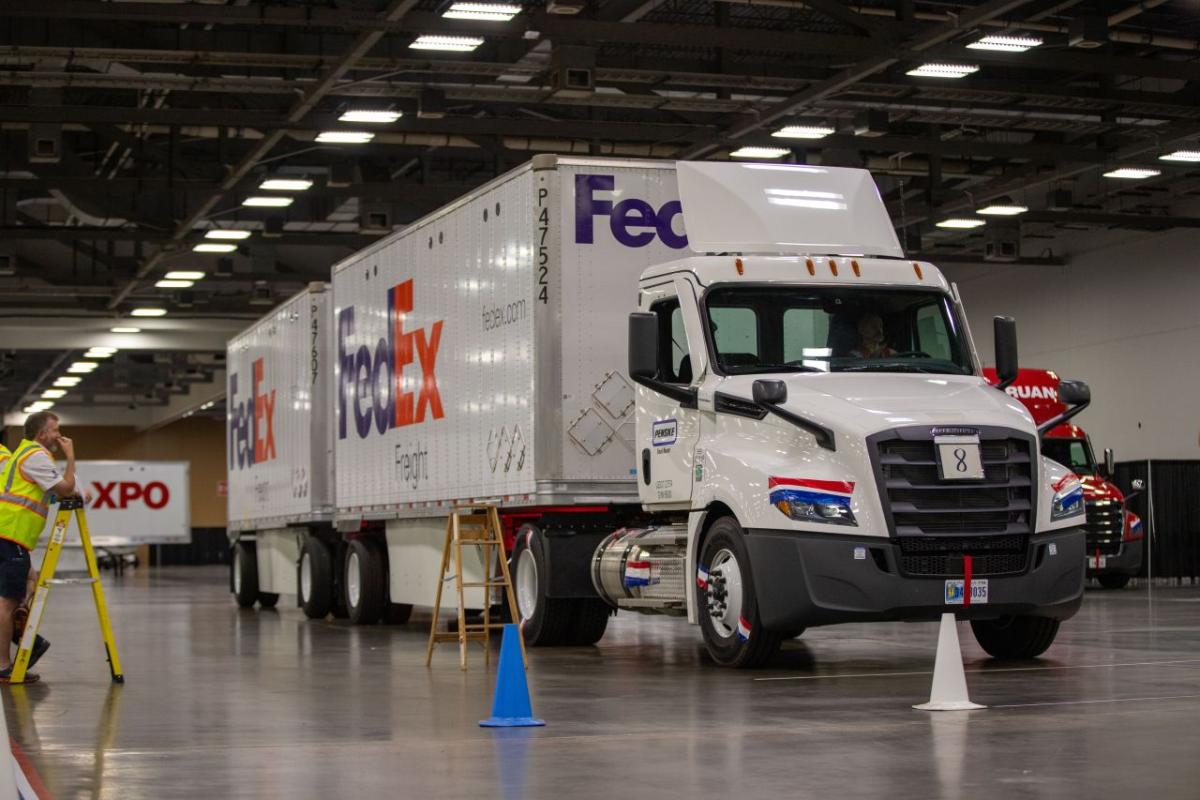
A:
(227, 703)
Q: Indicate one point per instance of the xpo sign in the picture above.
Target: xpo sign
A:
(137, 502)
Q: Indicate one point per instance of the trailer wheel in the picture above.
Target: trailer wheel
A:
(315, 579)
(245, 574)
(1113, 581)
(729, 618)
(366, 586)
(545, 621)
(268, 599)
(590, 621)
(1015, 637)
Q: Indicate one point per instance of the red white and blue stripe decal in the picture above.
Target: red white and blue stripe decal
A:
(639, 573)
(809, 490)
(702, 577)
(743, 629)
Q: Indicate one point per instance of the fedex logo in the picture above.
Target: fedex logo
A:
(371, 387)
(154, 494)
(251, 421)
(633, 222)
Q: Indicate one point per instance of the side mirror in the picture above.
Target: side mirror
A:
(643, 346)
(1074, 393)
(770, 393)
(1110, 463)
(1005, 335)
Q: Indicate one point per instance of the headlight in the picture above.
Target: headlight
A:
(804, 506)
(1068, 501)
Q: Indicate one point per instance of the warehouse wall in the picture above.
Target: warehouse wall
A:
(198, 441)
(1123, 315)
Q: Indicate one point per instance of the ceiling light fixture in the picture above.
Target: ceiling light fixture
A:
(67, 381)
(174, 284)
(1002, 210)
(268, 202)
(54, 394)
(803, 132)
(1006, 44)
(451, 44)
(214, 248)
(760, 152)
(943, 71)
(1182, 155)
(227, 233)
(82, 367)
(285, 185)
(148, 312)
(182, 275)
(1132, 173)
(126, 328)
(962, 223)
(369, 116)
(40, 405)
(486, 12)
(338, 137)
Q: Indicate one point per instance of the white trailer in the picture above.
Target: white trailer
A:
(279, 446)
(790, 430)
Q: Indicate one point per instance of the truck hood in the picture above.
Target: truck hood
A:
(863, 404)
(1096, 488)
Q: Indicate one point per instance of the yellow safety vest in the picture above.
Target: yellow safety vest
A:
(23, 507)
(4, 455)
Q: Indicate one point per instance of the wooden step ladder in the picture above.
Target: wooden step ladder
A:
(473, 526)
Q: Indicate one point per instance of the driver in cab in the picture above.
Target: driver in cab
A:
(870, 338)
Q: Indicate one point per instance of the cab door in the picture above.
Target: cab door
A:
(668, 429)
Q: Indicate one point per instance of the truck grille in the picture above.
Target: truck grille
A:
(936, 522)
(1104, 526)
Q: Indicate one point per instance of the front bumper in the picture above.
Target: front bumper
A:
(804, 580)
(1127, 561)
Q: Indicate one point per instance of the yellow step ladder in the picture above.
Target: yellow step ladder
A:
(46, 579)
(473, 526)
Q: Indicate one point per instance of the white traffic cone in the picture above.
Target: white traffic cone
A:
(949, 691)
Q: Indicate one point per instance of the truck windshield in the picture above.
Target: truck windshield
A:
(826, 329)
(1074, 454)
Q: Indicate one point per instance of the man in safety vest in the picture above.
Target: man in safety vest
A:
(27, 479)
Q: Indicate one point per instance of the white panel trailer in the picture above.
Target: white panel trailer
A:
(278, 443)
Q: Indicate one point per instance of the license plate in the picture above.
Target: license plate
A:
(1097, 562)
(954, 592)
(959, 458)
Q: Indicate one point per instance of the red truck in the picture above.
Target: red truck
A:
(1114, 534)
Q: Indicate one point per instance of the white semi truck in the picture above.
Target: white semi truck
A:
(790, 429)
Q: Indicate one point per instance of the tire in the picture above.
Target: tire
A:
(1015, 637)
(314, 580)
(365, 582)
(1113, 581)
(244, 568)
(268, 599)
(733, 633)
(590, 621)
(545, 621)
(339, 581)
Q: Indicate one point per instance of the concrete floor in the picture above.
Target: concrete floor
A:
(227, 703)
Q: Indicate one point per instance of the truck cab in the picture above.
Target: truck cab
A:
(816, 440)
(1114, 534)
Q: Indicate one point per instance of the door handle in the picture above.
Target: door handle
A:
(646, 466)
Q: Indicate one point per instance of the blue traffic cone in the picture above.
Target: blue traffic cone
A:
(510, 707)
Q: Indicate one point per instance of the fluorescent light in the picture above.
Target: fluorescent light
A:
(943, 70)
(269, 202)
(40, 405)
(148, 312)
(226, 233)
(803, 132)
(214, 248)
(366, 115)
(94, 354)
(1007, 44)
(959, 222)
(1132, 173)
(1002, 210)
(103, 349)
(82, 367)
(128, 328)
(487, 12)
(453, 44)
(285, 185)
(54, 394)
(1181, 155)
(176, 275)
(172, 284)
(760, 152)
(67, 381)
(340, 137)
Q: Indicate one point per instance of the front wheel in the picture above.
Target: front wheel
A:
(728, 611)
(1015, 637)
(1113, 581)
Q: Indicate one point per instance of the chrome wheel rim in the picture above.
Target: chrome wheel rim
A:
(237, 571)
(724, 593)
(527, 583)
(353, 581)
(305, 577)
